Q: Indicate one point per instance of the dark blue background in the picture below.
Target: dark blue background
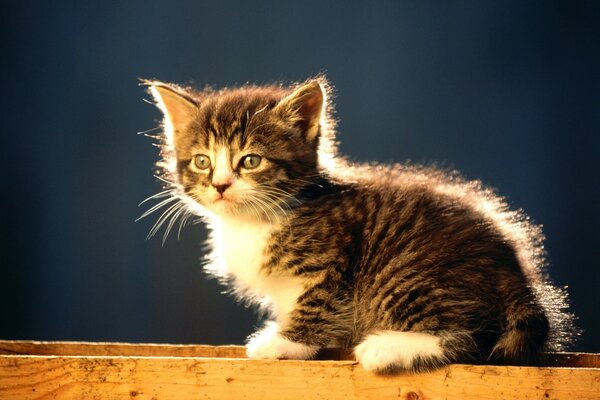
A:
(503, 91)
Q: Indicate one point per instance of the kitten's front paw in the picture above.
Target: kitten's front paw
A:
(269, 344)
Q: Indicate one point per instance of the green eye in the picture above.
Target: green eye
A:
(251, 161)
(201, 161)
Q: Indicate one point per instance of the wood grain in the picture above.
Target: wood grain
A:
(118, 349)
(104, 372)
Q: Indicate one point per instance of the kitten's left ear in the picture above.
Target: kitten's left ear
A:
(304, 106)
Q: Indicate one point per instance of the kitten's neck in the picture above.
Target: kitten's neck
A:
(272, 219)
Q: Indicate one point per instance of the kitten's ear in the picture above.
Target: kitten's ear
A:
(304, 106)
(177, 106)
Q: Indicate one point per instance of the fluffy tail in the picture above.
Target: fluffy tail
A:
(525, 331)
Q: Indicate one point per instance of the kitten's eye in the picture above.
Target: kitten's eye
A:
(201, 161)
(251, 161)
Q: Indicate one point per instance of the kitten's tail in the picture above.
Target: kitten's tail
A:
(525, 330)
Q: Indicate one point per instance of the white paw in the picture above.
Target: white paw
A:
(269, 344)
(388, 350)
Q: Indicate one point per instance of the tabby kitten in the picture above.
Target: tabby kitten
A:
(411, 267)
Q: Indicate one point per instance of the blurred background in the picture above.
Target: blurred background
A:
(506, 92)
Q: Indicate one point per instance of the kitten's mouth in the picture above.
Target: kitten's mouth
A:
(221, 198)
(223, 205)
(222, 201)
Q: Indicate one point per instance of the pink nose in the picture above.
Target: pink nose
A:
(221, 187)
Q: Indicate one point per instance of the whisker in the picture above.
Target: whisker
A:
(247, 205)
(263, 207)
(254, 209)
(156, 207)
(160, 178)
(260, 198)
(172, 222)
(281, 195)
(271, 200)
(273, 188)
(274, 203)
(308, 181)
(276, 191)
(148, 130)
(158, 195)
(183, 222)
(164, 216)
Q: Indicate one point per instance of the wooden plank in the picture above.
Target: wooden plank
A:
(118, 349)
(146, 350)
(153, 378)
(16, 347)
(76, 370)
(572, 360)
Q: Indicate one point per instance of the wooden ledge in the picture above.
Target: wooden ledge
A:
(72, 370)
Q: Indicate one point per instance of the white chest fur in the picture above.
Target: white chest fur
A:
(240, 250)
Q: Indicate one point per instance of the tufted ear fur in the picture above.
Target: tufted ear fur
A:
(305, 107)
(178, 107)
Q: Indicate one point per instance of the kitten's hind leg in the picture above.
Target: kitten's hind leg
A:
(392, 351)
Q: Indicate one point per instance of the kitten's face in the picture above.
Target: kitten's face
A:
(243, 152)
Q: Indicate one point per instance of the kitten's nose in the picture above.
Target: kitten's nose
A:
(221, 187)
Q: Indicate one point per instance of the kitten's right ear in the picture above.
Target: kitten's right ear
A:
(177, 106)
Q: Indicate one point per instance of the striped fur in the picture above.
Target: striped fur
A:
(412, 266)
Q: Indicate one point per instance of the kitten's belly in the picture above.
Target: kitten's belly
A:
(242, 250)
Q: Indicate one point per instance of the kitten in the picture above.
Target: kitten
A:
(411, 267)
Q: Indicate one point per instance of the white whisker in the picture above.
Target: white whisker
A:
(164, 216)
(148, 130)
(264, 207)
(270, 200)
(158, 195)
(160, 178)
(282, 197)
(172, 222)
(183, 222)
(254, 210)
(156, 207)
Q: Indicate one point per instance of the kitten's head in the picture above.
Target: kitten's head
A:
(242, 151)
